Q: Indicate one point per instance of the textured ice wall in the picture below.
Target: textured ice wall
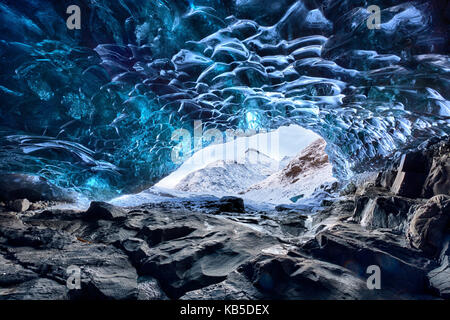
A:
(94, 109)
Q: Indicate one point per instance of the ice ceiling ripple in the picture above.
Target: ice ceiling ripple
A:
(94, 109)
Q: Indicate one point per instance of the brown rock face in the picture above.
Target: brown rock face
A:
(429, 223)
(313, 156)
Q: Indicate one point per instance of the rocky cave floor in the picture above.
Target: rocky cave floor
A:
(397, 219)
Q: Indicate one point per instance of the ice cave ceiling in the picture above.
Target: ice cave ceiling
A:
(94, 109)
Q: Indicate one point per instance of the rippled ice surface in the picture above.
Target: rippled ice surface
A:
(94, 109)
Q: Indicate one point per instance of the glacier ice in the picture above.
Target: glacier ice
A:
(94, 109)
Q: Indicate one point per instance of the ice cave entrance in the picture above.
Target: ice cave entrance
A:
(276, 167)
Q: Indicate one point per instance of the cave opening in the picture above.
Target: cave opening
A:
(285, 166)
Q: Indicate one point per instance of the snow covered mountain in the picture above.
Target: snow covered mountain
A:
(227, 177)
(258, 178)
(302, 175)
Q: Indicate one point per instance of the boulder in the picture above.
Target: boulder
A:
(156, 234)
(104, 211)
(213, 205)
(231, 204)
(20, 205)
(427, 227)
(189, 251)
(352, 247)
(299, 208)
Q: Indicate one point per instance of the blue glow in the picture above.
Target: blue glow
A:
(252, 120)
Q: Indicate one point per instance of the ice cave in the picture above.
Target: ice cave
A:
(94, 109)
(290, 114)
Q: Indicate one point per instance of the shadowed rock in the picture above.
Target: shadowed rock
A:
(33, 188)
(429, 223)
(231, 204)
(102, 210)
(349, 246)
(382, 212)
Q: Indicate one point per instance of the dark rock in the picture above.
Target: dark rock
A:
(180, 249)
(350, 246)
(326, 202)
(231, 204)
(411, 174)
(34, 188)
(414, 162)
(360, 205)
(105, 211)
(438, 179)
(284, 207)
(293, 208)
(286, 277)
(426, 230)
(293, 224)
(36, 237)
(36, 289)
(440, 277)
(137, 249)
(300, 278)
(408, 184)
(38, 205)
(12, 273)
(382, 212)
(213, 205)
(235, 287)
(330, 187)
(157, 234)
(386, 178)
(17, 233)
(192, 251)
(20, 205)
(349, 189)
(105, 271)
